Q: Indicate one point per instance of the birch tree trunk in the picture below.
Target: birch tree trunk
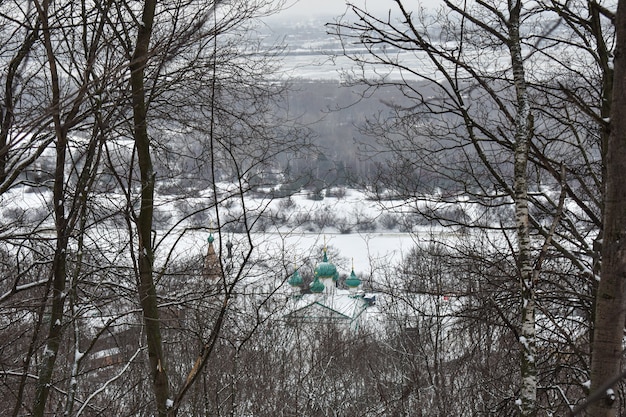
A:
(472, 25)
(523, 134)
(611, 299)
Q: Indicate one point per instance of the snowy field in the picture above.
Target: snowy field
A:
(297, 237)
(369, 252)
(295, 234)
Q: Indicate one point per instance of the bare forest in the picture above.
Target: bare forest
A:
(488, 134)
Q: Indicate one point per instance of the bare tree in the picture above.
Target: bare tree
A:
(146, 288)
(86, 275)
(459, 66)
(610, 304)
(475, 144)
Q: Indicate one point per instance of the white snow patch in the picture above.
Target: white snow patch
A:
(106, 352)
(610, 393)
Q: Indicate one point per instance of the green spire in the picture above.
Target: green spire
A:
(211, 238)
(212, 269)
(353, 282)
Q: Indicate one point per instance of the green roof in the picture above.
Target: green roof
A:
(316, 286)
(326, 269)
(296, 279)
(353, 281)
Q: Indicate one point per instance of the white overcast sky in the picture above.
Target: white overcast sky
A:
(303, 8)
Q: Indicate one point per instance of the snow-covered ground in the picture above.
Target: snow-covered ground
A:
(297, 233)
(370, 252)
(315, 54)
(303, 226)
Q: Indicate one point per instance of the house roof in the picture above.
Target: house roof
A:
(339, 307)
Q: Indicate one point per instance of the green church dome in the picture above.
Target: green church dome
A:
(353, 281)
(316, 286)
(296, 279)
(325, 269)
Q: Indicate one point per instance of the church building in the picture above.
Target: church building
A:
(325, 302)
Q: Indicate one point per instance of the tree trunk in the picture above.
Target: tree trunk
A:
(147, 290)
(611, 299)
(523, 134)
(59, 263)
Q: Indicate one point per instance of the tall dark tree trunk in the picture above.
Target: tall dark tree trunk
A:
(147, 290)
(55, 330)
(611, 299)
